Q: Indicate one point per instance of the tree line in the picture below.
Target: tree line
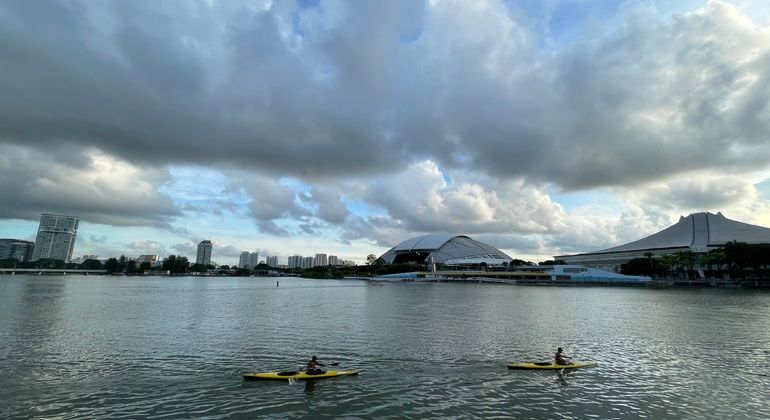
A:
(735, 260)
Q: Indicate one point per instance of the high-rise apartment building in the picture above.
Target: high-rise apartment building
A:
(333, 260)
(307, 262)
(294, 261)
(272, 261)
(204, 253)
(16, 249)
(248, 259)
(321, 260)
(56, 236)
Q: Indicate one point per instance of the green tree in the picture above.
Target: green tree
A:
(175, 264)
(649, 256)
(91, 265)
(9, 263)
(370, 259)
(518, 263)
(637, 267)
(111, 265)
(714, 258)
(665, 263)
(553, 262)
(131, 266)
(49, 263)
(686, 262)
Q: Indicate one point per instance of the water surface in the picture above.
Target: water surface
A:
(115, 347)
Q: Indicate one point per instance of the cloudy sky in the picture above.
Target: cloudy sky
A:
(540, 127)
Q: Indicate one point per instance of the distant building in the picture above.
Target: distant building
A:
(154, 260)
(295, 261)
(298, 261)
(272, 261)
(307, 262)
(204, 253)
(243, 260)
(56, 236)
(321, 260)
(452, 250)
(16, 249)
(248, 259)
(90, 257)
(697, 233)
(333, 260)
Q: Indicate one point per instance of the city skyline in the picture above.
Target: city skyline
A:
(297, 128)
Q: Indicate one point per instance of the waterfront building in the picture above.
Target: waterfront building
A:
(16, 249)
(697, 233)
(321, 260)
(333, 260)
(56, 236)
(90, 257)
(446, 249)
(272, 261)
(204, 253)
(154, 260)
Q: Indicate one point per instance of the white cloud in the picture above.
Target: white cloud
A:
(442, 116)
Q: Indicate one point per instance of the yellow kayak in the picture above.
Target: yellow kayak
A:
(549, 365)
(297, 375)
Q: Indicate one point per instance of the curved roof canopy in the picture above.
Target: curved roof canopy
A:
(445, 249)
(697, 231)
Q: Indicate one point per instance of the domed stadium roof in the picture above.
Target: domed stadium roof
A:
(698, 232)
(444, 249)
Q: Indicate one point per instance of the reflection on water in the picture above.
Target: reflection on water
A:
(309, 387)
(95, 347)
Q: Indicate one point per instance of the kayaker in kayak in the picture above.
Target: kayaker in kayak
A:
(560, 359)
(313, 367)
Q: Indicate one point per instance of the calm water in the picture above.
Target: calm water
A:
(96, 347)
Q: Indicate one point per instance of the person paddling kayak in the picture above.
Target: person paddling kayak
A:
(559, 358)
(313, 367)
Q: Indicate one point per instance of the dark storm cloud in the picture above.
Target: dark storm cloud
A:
(98, 189)
(355, 88)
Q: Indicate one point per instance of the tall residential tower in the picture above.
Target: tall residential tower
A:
(55, 237)
(204, 253)
(248, 259)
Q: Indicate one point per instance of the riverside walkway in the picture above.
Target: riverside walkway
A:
(42, 271)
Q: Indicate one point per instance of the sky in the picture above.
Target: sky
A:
(345, 127)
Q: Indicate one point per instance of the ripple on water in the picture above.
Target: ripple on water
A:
(175, 348)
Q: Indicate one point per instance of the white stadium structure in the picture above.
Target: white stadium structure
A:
(445, 249)
(698, 233)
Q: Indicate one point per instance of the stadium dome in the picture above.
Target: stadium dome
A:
(444, 249)
(697, 233)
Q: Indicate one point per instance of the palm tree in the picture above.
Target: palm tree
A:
(712, 258)
(666, 262)
(685, 262)
(649, 256)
